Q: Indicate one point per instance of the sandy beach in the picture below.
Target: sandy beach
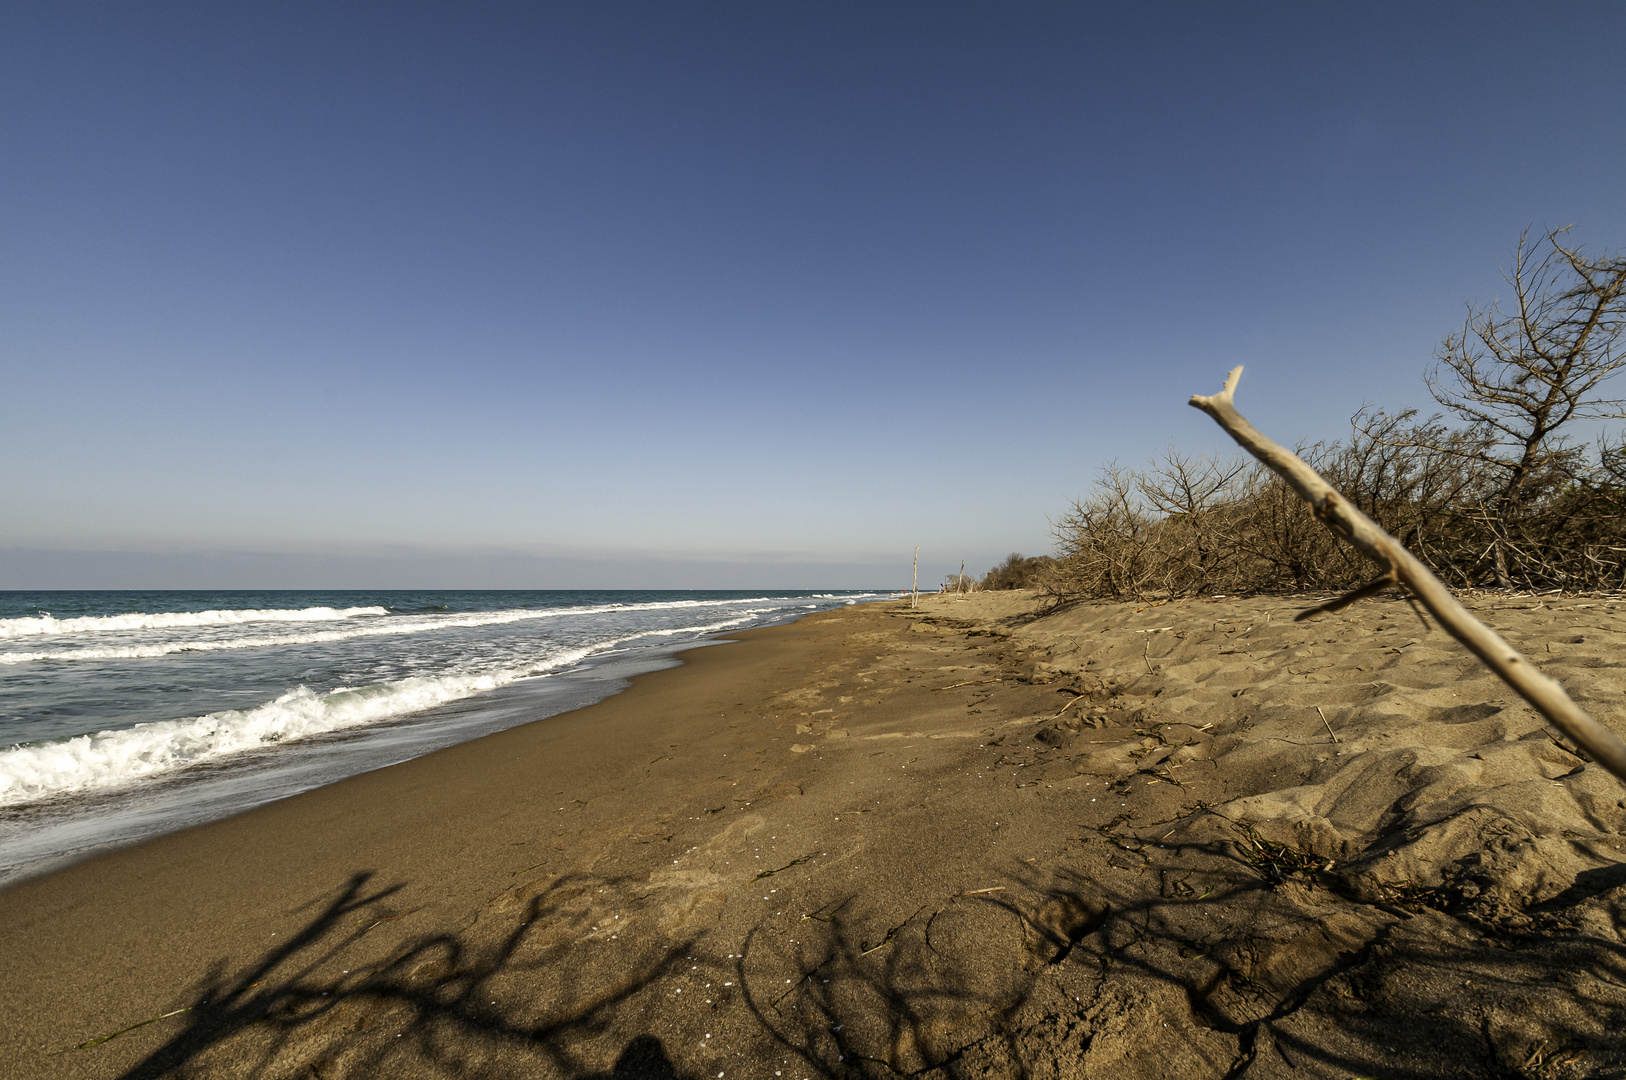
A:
(1192, 839)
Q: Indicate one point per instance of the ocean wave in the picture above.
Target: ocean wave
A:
(417, 625)
(315, 637)
(46, 624)
(163, 620)
(707, 628)
(118, 758)
(112, 759)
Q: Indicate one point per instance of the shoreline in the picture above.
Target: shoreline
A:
(55, 829)
(117, 818)
(955, 840)
(254, 868)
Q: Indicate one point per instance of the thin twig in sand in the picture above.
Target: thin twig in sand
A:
(1347, 522)
(890, 934)
(968, 682)
(90, 1043)
(1067, 706)
(1330, 731)
(780, 869)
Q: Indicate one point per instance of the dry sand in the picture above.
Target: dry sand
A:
(866, 844)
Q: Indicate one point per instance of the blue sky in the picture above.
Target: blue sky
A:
(749, 294)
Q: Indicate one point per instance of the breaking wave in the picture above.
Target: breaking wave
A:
(45, 624)
(314, 637)
(114, 758)
(410, 625)
(110, 759)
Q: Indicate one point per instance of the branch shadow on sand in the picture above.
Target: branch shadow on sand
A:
(458, 1003)
(1196, 957)
(1216, 963)
(1202, 963)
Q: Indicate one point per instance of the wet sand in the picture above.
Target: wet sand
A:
(1194, 839)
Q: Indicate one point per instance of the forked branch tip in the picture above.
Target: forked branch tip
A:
(1203, 401)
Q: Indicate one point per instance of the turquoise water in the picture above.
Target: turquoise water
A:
(125, 714)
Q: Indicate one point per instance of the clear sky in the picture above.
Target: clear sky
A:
(697, 294)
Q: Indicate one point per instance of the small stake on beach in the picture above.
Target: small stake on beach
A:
(914, 587)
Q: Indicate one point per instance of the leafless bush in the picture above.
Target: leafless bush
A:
(1018, 571)
(1127, 539)
(1188, 526)
(1195, 539)
(1105, 541)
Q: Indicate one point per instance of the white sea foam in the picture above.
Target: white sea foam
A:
(405, 625)
(708, 628)
(313, 637)
(114, 758)
(45, 624)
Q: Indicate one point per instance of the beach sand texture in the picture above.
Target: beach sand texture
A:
(874, 842)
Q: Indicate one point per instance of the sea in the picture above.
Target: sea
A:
(127, 714)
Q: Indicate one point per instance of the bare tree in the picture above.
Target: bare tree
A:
(1522, 375)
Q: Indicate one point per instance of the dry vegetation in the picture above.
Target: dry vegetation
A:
(1018, 571)
(1496, 490)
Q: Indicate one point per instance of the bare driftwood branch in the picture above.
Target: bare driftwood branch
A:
(1346, 521)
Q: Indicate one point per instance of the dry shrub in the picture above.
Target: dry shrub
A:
(1018, 571)
(1504, 499)
(1191, 526)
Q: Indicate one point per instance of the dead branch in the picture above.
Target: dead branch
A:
(1347, 522)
